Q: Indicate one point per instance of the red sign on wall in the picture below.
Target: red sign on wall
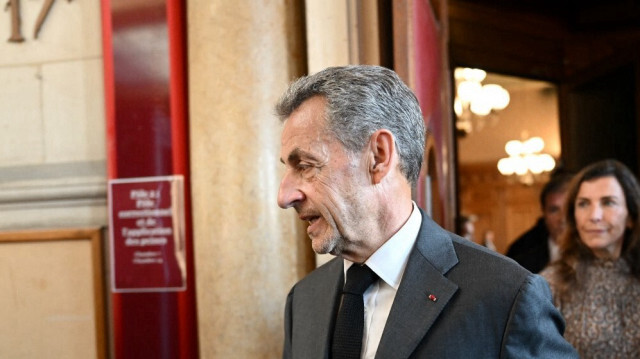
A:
(147, 234)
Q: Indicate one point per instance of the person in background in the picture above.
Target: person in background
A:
(596, 281)
(538, 246)
(352, 148)
(489, 240)
(466, 227)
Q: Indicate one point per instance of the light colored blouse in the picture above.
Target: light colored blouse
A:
(603, 314)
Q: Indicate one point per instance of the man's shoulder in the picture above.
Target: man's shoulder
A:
(473, 253)
(448, 251)
(483, 269)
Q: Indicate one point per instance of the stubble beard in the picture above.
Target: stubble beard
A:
(332, 244)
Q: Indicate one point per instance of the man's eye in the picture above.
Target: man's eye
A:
(303, 166)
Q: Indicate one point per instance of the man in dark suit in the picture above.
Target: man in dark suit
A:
(538, 246)
(352, 145)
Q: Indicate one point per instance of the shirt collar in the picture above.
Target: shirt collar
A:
(389, 261)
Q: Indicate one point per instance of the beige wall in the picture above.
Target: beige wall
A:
(248, 252)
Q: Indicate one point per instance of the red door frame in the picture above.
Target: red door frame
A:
(145, 75)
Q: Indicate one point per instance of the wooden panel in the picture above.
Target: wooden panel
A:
(510, 42)
(51, 294)
(505, 43)
(521, 216)
(501, 205)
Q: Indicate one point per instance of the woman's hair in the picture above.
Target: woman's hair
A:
(574, 253)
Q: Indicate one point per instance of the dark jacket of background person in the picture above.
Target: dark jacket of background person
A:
(531, 249)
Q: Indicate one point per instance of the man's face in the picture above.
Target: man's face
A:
(322, 181)
(553, 213)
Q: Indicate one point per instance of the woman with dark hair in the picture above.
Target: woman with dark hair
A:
(596, 281)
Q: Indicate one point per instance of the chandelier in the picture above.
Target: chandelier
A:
(526, 162)
(475, 100)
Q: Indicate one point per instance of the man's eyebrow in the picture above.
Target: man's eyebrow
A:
(297, 154)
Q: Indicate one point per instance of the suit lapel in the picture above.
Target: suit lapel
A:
(423, 293)
(313, 331)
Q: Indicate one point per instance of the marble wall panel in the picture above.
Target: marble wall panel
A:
(70, 31)
(21, 130)
(242, 54)
(73, 110)
(52, 121)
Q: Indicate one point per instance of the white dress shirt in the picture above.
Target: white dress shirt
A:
(554, 250)
(388, 262)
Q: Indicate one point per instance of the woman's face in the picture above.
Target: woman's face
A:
(601, 216)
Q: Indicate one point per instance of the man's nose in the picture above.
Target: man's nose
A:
(289, 194)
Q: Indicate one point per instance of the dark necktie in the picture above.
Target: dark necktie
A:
(347, 335)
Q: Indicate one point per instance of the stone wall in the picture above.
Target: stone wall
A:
(52, 122)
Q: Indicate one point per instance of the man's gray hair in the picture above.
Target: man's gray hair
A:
(361, 100)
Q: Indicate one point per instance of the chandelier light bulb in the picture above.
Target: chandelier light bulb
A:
(535, 164)
(548, 163)
(480, 106)
(520, 166)
(506, 166)
(533, 145)
(476, 75)
(498, 96)
(525, 160)
(469, 90)
(513, 148)
(457, 106)
(475, 101)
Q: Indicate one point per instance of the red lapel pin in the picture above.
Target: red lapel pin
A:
(432, 297)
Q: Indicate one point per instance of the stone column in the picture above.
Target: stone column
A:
(248, 252)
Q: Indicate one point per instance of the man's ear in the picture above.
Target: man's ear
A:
(382, 149)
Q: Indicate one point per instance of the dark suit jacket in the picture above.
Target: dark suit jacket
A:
(531, 249)
(487, 307)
